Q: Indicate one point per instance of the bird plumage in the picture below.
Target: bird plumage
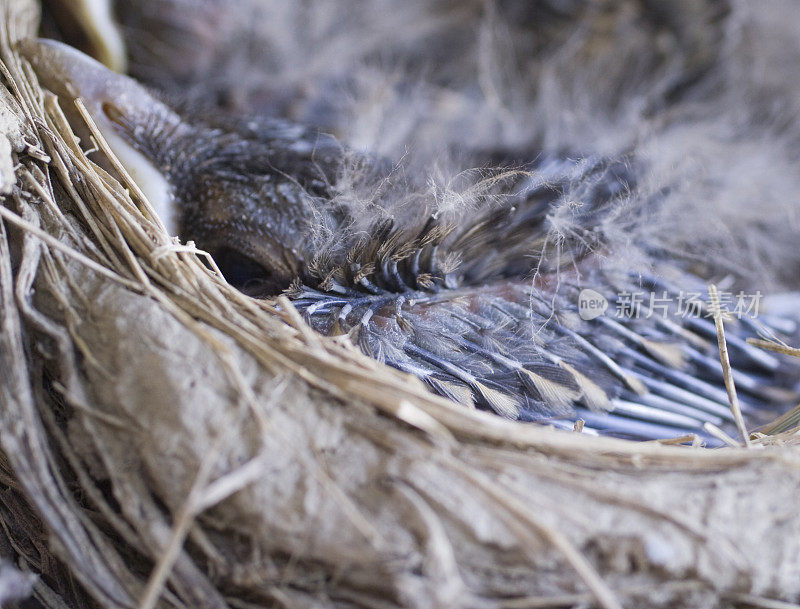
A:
(479, 301)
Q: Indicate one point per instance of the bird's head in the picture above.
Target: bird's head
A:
(235, 194)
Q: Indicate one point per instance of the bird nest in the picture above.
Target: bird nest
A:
(169, 442)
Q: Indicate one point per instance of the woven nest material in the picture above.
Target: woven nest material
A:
(169, 442)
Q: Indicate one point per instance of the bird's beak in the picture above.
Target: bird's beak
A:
(92, 21)
(121, 108)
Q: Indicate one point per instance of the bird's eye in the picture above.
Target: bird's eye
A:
(247, 275)
(114, 114)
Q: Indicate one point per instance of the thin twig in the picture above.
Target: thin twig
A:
(720, 435)
(73, 253)
(726, 364)
(770, 345)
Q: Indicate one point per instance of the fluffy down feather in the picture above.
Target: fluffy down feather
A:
(621, 146)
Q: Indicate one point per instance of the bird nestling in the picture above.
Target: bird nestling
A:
(476, 300)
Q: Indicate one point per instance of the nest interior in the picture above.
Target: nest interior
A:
(169, 442)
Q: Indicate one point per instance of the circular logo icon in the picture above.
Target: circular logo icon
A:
(591, 304)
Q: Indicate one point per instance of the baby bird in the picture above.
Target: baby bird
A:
(480, 304)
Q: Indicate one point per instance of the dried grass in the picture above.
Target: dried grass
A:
(169, 442)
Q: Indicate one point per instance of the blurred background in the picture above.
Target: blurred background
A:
(699, 96)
